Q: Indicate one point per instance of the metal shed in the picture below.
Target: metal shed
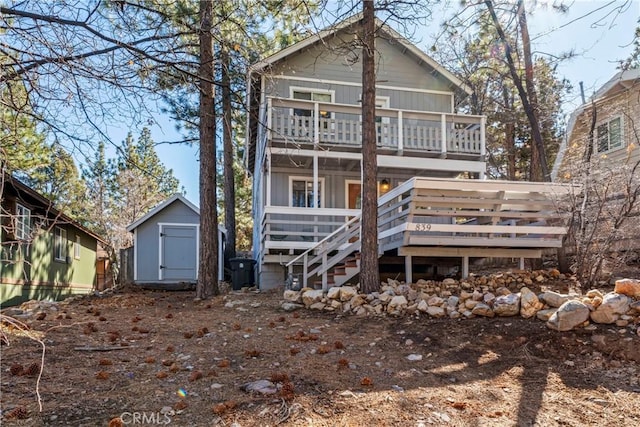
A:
(166, 244)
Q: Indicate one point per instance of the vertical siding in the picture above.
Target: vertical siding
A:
(149, 235)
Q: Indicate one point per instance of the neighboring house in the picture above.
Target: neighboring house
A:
(304, 152)
(44, 254)
(166, 245)
(616, 136)
(611, 153)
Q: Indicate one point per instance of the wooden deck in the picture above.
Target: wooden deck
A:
(446, 218)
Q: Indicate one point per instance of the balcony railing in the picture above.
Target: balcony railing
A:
(308, 122)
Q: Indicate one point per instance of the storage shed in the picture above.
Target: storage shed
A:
(166, 244)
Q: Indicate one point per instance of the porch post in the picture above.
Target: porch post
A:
(316, 196)
(443, 134)
(268, 177)
(465, 267)
(521, 263)
(400, 133)
(408, 269)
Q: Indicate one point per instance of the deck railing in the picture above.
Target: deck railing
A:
(308, 122)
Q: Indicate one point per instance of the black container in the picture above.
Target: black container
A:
(242, 272)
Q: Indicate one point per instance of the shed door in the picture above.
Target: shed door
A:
(179, 252)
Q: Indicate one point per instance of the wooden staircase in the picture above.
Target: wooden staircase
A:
(342, 272)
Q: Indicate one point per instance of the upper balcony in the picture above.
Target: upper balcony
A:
(309, 123)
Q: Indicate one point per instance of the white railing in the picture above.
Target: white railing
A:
(317, 260)
(308, 122)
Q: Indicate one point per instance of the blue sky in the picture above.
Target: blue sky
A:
(599, 38)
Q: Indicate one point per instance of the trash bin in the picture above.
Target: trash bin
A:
(242, 272)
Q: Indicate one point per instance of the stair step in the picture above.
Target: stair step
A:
(318, 283)
(350, 264)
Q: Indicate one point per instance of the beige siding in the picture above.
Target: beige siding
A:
(626, 105)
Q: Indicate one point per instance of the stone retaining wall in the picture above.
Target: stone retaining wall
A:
(504, 294)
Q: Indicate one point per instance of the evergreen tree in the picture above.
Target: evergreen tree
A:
(140, 182)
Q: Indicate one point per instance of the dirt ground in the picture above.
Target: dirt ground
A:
(172, 360)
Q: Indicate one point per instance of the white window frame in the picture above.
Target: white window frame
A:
(23, 222)
(60, 244)
(331, 93)
(610, 148)
(306, 179)
(77, 245)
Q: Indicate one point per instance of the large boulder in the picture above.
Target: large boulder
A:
(568, 316)
(333, 292)
(629, 287)
(613, 306)
(529, 303)
(554, 299)
(507, 305)
(312, 296)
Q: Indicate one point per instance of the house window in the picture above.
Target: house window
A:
(60, 244)
(311, 95)
(610, 135)
(23, 222)
(302, 192)
(76, 247)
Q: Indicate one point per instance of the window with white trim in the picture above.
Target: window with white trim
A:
(60, 244)
(301, 192)
(609, 135)
(76, 247)
(23, 222)
(311, 95)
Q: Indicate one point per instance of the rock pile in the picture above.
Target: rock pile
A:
(503, 295)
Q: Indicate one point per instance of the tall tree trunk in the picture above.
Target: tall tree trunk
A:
(539, 167)
(369, 273)
(227, 141)
(208, 267)
(509, 136)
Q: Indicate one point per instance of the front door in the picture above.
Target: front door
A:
(354, 195)
(179, 255)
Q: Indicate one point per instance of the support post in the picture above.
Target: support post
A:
(408, 269)
(465, 267)
(443, 135)
(521, 263)
(400, 133)
(316, 196)
(269, 177)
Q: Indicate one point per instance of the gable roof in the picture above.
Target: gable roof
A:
(296, 47)
(621, 81)
(163, 205)
(23, 191)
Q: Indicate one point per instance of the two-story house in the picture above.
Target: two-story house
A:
(304, 152)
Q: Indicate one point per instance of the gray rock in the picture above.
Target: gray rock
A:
(260, 386)
(529, 303)
(453, 301)
(423, 306)
(554, 299)
(291, 306)
(613, 306)
(312, 296)
(333, 292)
(434, 311)
(292, 296)
(569, 315)
(545, 315)
(482, 310)
(317, 306)
(347, 292)
(507, 305)
(488, 298)
(414, 357)
(397, 304)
